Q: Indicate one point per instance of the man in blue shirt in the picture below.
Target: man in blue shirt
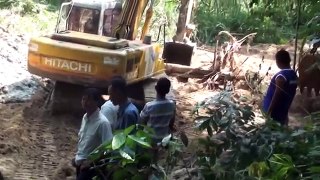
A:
(128, 113)
(281, 90)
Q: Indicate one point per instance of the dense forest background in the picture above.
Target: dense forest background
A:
(274, 20)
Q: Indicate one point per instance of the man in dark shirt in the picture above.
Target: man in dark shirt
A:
(128, 113)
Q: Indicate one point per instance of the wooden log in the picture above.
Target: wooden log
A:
(194, 76)
(198, 73)
(181, 69)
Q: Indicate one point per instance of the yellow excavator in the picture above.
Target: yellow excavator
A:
(94, 41)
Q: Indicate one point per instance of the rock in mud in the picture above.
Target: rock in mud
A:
(16, 83)
(20, 91)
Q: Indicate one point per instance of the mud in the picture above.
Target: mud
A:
(36, 141)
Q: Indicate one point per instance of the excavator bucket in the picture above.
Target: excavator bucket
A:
(177, 53)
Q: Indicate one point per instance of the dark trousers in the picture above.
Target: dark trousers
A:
(85, 174)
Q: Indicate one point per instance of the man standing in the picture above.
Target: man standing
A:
(281, 90)
(159, 114)
(128, 113)
(110, 111)
(95, 130)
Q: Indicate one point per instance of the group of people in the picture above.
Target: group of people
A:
(118, 113)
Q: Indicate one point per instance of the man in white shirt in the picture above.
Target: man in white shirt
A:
(95, 130)
(110, 112)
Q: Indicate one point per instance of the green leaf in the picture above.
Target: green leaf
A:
(204, 125)
(118, 140)
(298, 133)
(96, 153)
(165, 141)
(143, 134)
(314, 169)
(125, 155)
(139, 141)
(129, 129)
(131, 143)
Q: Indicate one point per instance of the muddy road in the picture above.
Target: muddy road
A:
(34, 144)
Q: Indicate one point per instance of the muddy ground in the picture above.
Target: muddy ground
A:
(36, 145)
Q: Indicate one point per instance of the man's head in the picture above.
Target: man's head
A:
(118, 90)
(91, 99)
(283, 59)
(163, 86)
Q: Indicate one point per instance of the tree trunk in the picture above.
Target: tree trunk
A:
(181, 25)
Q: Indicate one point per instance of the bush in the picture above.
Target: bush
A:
(129, 155)
(238, 148)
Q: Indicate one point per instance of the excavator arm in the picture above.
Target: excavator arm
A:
(130, 18)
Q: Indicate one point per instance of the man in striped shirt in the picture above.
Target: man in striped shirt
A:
(159, 114)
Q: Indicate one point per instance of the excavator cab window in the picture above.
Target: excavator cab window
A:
(77, 18)
(84, 20)
(110, 19)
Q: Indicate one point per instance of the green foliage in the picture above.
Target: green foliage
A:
(29, 6)
(130, 155)
(274, 21)
(238, 148)
(125, 156)
(23, 6)
(164, 12)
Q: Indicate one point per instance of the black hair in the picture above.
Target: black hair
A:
(120, 84)
(95, 95)
(163, 86)
(283, 57)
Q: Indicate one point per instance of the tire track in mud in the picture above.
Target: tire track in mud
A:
(41, 163)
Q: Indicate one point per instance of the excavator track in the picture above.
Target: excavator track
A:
(42, 164)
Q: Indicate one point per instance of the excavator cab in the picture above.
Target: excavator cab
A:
(95, 17)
